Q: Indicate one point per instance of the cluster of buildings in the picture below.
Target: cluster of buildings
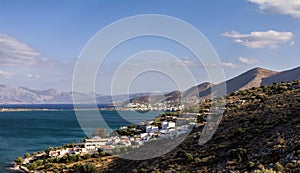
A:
(147, 132)
(153, 107)
(64, 151)
(152, 132)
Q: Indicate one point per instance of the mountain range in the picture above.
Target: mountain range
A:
(253, 78)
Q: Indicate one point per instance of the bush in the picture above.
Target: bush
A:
(187, 156)
(87, 156)
(27, 155)
(251, 164)
(238, 153)
(88, 168)
(279, 167)
(19, 160)
(64, 159)
(240, 131)
(39, 162)
(77, 166)
(72, 158)
(48, 165)
(96, 155)
(102, 154)
(32, 166)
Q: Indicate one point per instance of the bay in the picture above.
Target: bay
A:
(32, 131)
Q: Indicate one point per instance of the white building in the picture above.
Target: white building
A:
(94, 143)
(148, 129)
(164, 125)
(154, 129)
(171, 124)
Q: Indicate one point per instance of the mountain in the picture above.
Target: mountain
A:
(189, 94)
(249, 79)
(194, 91)
(253, 78)
(284, 76)
(24, 95)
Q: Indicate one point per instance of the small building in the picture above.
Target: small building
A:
(148, 129)
(171, 124)
(94, 143)
(155, 129)
(164, 125)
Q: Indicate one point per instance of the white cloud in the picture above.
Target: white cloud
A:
(229, 65)
(5, 74)
(186, 62)
(16, 53)
(248, 61)
(286, 7)
(261, 39)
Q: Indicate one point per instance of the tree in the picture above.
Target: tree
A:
(89, 168)
(32, 166)
(27, 155)
(19, 161)
(201, 118)
(100, 132)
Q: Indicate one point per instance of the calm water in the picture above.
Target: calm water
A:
(32, 131)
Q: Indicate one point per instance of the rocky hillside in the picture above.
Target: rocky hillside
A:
(261, 133)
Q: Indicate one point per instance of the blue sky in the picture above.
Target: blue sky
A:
(40, 41)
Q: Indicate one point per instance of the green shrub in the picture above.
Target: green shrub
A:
(238, 153)
(19, 160)
(72, 158)
(77, 166)
(32, 166)
(279, 167)
(48, 165)
(251, 164)
(187, 156)
(89, 168)
(87, 156)
(39, 162)
(27, 155)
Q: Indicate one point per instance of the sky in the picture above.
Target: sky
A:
(41, 41)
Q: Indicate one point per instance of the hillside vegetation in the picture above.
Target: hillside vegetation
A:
(259, 132)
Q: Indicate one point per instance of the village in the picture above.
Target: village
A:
(108, 144)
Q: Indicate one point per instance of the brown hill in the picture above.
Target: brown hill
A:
(285, 76)
(191, 93)
(249, 79)
(194, 91)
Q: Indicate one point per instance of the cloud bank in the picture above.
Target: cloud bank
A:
(285, 7)
(261, 39)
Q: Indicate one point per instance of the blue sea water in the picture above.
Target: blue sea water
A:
(32, 131)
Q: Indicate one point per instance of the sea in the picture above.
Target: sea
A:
(35, 130)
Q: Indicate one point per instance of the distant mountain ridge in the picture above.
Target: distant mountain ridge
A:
(24, 95)
(253, 78)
